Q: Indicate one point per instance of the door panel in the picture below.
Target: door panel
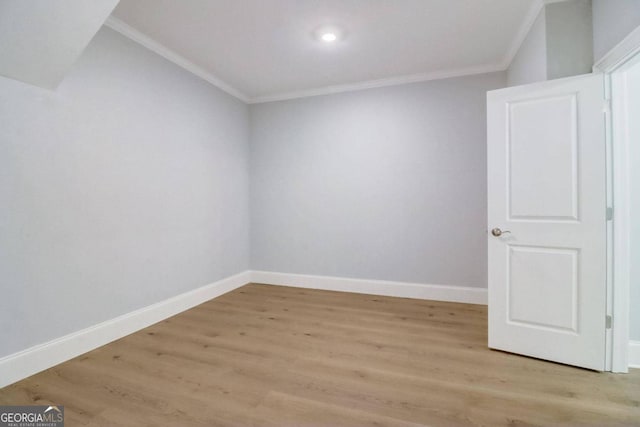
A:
(542, 137)
(535, 273)
(546, 186)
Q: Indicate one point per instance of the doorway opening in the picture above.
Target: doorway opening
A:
(622, 79)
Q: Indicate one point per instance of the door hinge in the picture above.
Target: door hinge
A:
(607, 106)
(608, 322)
(609, 214)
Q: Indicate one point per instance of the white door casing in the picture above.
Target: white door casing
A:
(547, 193)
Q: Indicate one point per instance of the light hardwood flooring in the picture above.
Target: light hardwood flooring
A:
(279, 356)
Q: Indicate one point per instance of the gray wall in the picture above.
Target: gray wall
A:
(613, 20)
(530, 63)
(559, 44)
(126, 186)
(569, 38)
(385, 183)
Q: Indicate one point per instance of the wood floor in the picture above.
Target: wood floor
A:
(278, 356)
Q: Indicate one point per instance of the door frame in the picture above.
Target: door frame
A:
(619, 198)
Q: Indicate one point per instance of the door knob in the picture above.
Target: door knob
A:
(497, 232)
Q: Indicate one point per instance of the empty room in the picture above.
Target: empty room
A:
(319, 213)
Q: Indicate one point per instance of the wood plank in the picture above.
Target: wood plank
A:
(272, 356)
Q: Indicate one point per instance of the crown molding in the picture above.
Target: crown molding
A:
(523, 31)
(620, 53)
(146, 41)
(372, 84)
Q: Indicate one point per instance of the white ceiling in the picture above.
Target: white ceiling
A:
(41, 40)
(263, 50)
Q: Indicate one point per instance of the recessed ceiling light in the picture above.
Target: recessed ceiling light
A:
(329, 34)
(329, 37)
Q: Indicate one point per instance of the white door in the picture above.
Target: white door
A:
(547, 220)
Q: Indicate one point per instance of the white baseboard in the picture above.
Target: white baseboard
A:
(634, 354)
(43, 356)
(375, 287)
